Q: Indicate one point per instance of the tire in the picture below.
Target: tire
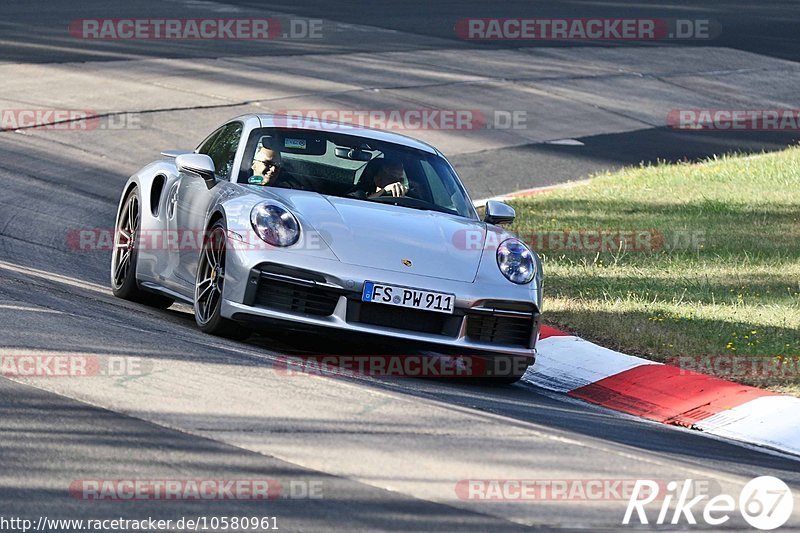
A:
(125, 255)
(209, 286)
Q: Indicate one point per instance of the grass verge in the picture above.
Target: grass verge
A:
(693, 264)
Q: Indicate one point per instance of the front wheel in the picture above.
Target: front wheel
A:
(125, 254)
(209, 285)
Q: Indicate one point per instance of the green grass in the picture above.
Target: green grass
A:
(720, 278)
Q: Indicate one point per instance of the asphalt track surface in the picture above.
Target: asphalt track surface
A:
(768, 28)
(387, 453)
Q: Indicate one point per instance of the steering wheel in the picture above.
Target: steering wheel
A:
(387, 194)
(406, 201)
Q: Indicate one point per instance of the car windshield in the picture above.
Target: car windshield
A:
(337, 164)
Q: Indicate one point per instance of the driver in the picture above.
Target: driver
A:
(388, 180)
(267, 170)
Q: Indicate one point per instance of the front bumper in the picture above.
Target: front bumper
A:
(487, 319)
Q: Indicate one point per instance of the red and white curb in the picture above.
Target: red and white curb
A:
(665, 393)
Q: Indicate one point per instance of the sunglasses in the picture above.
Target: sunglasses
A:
(268, 163)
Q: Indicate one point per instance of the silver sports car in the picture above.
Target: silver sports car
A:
(312, 224)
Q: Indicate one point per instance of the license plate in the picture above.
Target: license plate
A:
(379, 293)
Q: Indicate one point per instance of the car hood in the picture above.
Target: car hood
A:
(375, 235)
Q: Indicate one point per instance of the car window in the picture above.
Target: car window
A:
(221, 148)
(205, 146)
(440, 195)
(339, 164)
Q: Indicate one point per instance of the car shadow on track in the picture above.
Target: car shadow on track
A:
(526, 403)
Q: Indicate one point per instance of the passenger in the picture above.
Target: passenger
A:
(388, 180)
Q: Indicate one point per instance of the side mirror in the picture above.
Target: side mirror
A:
(499, 213)
(198, 164)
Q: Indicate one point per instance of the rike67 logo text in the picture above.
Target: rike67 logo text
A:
(765, 503)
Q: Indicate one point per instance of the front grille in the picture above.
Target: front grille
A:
(291, 297)
(511, 331)
(397, 317)
(402, 319)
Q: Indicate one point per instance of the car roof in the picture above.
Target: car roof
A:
(311, 124)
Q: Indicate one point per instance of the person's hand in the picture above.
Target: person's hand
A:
(393, 189)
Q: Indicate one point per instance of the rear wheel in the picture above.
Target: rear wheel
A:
(209, 286)
(125, 254)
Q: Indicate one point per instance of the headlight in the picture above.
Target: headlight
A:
(515, 261)
(274, 224)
